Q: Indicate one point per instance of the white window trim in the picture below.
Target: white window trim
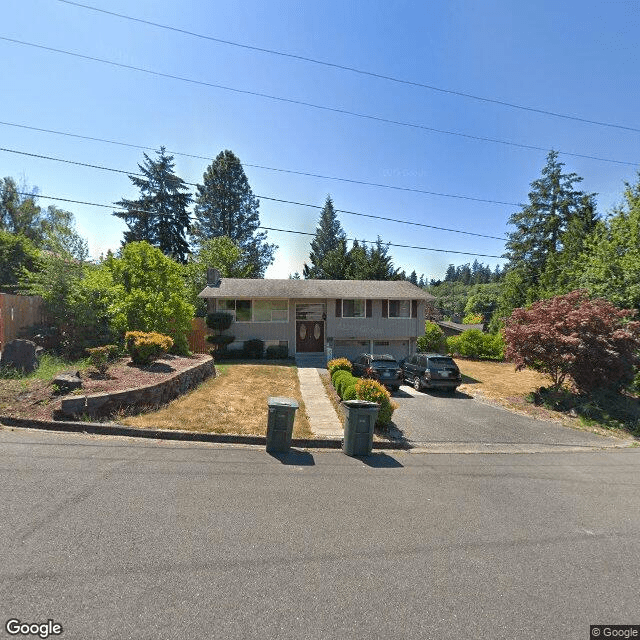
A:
(253, 320)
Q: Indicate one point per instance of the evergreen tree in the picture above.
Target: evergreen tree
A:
(372, 264)
(450, 275)
(413, 278)
(553, 202)
(226, 206)
(329, 235)
(160, 215)
(564, 268)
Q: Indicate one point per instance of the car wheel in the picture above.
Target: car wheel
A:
(416, 384)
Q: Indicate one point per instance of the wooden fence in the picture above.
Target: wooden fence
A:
(197, 337)
(18, 312)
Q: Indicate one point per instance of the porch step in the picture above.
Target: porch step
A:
(311, 360)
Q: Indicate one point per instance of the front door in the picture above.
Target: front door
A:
(310, 336)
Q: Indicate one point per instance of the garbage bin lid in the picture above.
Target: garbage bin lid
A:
(360, 404)
(282, 402)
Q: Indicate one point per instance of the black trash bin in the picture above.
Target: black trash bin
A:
(282, 412)
(359, 422)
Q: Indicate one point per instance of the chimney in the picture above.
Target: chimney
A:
(213, 277)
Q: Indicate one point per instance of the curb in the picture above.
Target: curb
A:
(103, 429)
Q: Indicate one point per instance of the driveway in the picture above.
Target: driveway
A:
(442, 417)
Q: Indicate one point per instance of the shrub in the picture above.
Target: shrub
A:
(344, 382)
(253, 349)
(472, 318)
(373, 391)
(100, 356)
(337, 375)
(338, 364)
(475, 344)
(219, 320)
(350, 393)
(569, 336)
(277, 352)
(432, 340)
(150, 293)
(146, 347)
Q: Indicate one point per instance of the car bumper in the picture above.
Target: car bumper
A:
(390, 382)
(444, 383)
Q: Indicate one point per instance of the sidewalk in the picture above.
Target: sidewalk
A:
(322, 416)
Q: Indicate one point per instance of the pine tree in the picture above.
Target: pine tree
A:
(450, 275)
(329, 235)
(553, 202)
(413, 278)
(160, 215)
(226, 206)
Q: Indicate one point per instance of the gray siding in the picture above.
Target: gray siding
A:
(400, 332)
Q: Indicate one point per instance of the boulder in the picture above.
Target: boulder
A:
(21, 355)
(67, 382)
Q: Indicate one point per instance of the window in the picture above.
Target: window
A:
(399, 308)
(241, 309)
(256, 310)
(270, 310)
(353, 308)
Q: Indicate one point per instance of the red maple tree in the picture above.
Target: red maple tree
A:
(590, 342)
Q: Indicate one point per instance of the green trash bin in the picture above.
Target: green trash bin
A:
(359, 422)
(282, 412)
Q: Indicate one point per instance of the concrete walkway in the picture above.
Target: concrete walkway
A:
(322, 416)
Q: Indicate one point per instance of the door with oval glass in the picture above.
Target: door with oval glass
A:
(310, 336)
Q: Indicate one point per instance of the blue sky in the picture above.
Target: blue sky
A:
(573, 58)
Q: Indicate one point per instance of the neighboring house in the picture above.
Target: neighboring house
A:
(456, 328)
(337, 318)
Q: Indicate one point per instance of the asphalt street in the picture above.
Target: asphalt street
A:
(116, 538)
(439, 416)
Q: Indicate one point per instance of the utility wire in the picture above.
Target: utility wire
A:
(281, 200)
(351, 69)
(259, 166)
(302, 233)
(311, 105)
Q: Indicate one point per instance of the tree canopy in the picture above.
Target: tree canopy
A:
(159, 216)
(328, 247)
(226, 206)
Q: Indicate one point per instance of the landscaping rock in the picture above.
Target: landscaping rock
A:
(67, 382)
(21, 354)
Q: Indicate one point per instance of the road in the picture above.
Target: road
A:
(115, 538)
(441, 417)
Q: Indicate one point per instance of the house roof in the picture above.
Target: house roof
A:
(266, 288)
(457, 326)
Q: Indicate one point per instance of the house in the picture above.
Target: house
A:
(337, 318)
(456, 328)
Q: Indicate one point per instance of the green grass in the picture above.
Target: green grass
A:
(50, 366)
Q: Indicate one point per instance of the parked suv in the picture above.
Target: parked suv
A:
(431, 371)
(383, 368)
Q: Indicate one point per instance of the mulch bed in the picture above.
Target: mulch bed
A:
(39, 401)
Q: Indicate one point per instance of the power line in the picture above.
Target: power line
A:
(302, 233)
(281, 200)
(311, 105)
(351, 69)
(259, 166)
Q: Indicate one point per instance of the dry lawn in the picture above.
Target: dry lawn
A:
(498, 380)
(233, 402)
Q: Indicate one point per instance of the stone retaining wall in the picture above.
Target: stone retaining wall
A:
(154, 395)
